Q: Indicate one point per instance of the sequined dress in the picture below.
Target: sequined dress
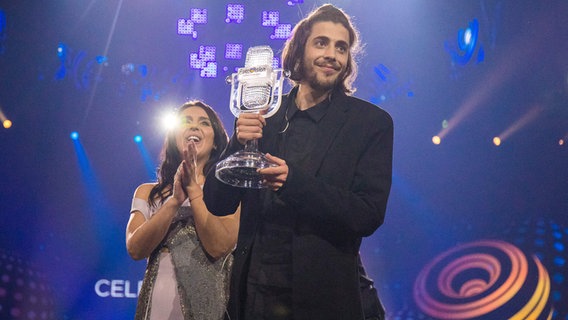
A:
(181, 262)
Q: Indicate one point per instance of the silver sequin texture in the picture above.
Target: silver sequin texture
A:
(203, 284)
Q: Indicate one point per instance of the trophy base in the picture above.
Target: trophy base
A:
(239, 169)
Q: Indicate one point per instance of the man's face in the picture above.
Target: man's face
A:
(325, 55)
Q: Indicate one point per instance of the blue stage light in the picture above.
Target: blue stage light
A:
(389, 86)
(101, 59)
(381, 71)
(74, 135)
(143, 69)
(468, 40)
(138, 138)
(3, 34)
(61, 51)
(62, 54)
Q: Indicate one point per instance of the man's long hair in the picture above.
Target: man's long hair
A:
(293, 52)
(171, 157)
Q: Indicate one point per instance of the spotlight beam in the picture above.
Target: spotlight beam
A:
(6, 123)
(517, 56)
(528, 117)
(105, 52)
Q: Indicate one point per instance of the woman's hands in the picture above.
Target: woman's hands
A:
(186, 182)
(179, 194)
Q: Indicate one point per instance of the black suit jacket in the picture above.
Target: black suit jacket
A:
(340, 197)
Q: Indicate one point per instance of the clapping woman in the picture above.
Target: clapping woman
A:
(188, 249)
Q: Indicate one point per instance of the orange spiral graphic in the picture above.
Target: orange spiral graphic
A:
(487, 279)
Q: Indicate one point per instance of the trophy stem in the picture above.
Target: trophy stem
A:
(251, 146)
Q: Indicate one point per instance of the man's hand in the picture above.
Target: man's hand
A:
(274, 177)
(249, 127)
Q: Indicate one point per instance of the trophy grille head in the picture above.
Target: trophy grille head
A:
(256, 97)
(259, 56)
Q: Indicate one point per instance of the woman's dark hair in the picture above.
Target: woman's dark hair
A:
(171, 158)
(293, 52)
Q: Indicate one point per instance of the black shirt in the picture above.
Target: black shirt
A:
(271, 259)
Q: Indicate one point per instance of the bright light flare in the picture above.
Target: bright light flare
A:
(74, 135)
(497, 141)
(467, 36)
(138, 138)
(436, 140)
(169, 121)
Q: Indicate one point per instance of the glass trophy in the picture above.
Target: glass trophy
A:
(256, 88)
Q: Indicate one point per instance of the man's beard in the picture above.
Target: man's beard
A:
(312, 80)
(321, 85)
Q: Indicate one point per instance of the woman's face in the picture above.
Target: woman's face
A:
(195, 126)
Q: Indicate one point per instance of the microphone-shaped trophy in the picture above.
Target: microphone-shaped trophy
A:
(255, 88)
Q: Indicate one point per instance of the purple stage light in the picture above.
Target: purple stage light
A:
(186, 27)
(204, 60)
(270, 18)
(275, 63)
(194, 61)
(281, 32)
(199, 16)
(207, 53)
(294, 2)
(235, 13)
(210, 70)
(127, 68)
(233, 51)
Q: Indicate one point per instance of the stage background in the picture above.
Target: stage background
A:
(473, 230)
